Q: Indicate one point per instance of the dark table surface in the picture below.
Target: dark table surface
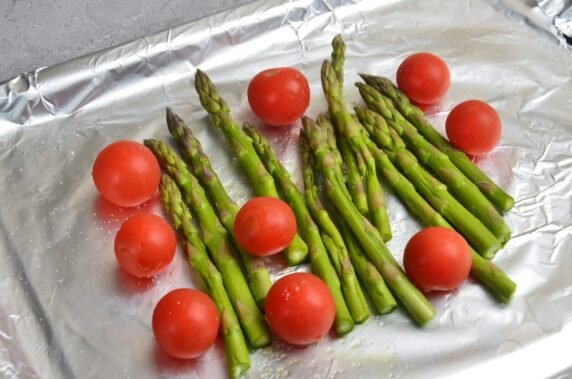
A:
(39, 33)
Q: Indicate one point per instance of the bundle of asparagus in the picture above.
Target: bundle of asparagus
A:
(215, 237)
(210, 277)
(464, 189)
(341, 243)
(416, 117)
(389, 137)
(471, 210)
(352, 144)
(396, 132)
(367, 235)
(257, 273)
(485, 271)
(351, 297)
(435, 192)
(261, 180)
(478, 193)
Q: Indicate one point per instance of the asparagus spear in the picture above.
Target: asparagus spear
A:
(324, 122)
(328, 129)
(348, 128)
(415, 115)
(380, 295)
(464, 190)
(374, 284)
(261, 180)
(338, 58)
(352, 177)
(209, 277)
(412, 299)
(257, 274)
(354, 166)
(432, 189)
(346, 313)
(215, 238)
(498, 283)
(357, 173)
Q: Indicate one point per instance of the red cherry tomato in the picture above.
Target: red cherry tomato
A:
(437, 259)
(279, 96)
(300, 308)
(265, 226)
(126, 173)
(424, 78)
(145, 245)
(185, 323)
(474, 127)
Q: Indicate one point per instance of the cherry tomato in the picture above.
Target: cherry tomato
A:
(424, 78)
(145, 245)
(474, 127)
(126, 173)
(185, 323)
(300, 308)
(265, 226)
(437, 259)
(279, 96)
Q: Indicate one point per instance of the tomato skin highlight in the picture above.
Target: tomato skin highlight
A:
(300, 308)
(474, 127)
(265, 226)
(145, 245)
(126, 173)
(279, 96)
(437, 259)
(185, 323)
(424, 78)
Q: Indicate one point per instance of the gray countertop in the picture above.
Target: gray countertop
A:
(39, 33)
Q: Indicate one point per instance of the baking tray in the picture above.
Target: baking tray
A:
(67, 311)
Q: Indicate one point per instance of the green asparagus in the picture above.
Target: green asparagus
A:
(354, 164)
(328, 129)
(492, 191)
(261, 180)
(215, 238)
(372, 280)
(355, 308)
(381, 297)
(257, 274)
(338, 58)
(412, 299)
(432, 189)
(346, 126)
(464, 190)
(498, 283)
(209, 277)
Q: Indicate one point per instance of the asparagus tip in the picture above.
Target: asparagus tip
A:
(174, 123)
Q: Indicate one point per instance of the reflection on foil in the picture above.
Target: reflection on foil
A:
(560, 13)
(67, 311)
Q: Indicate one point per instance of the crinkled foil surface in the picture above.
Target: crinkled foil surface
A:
(560, 13)
(67, 311)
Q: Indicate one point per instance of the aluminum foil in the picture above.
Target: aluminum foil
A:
(560, 12)
(67, 311)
